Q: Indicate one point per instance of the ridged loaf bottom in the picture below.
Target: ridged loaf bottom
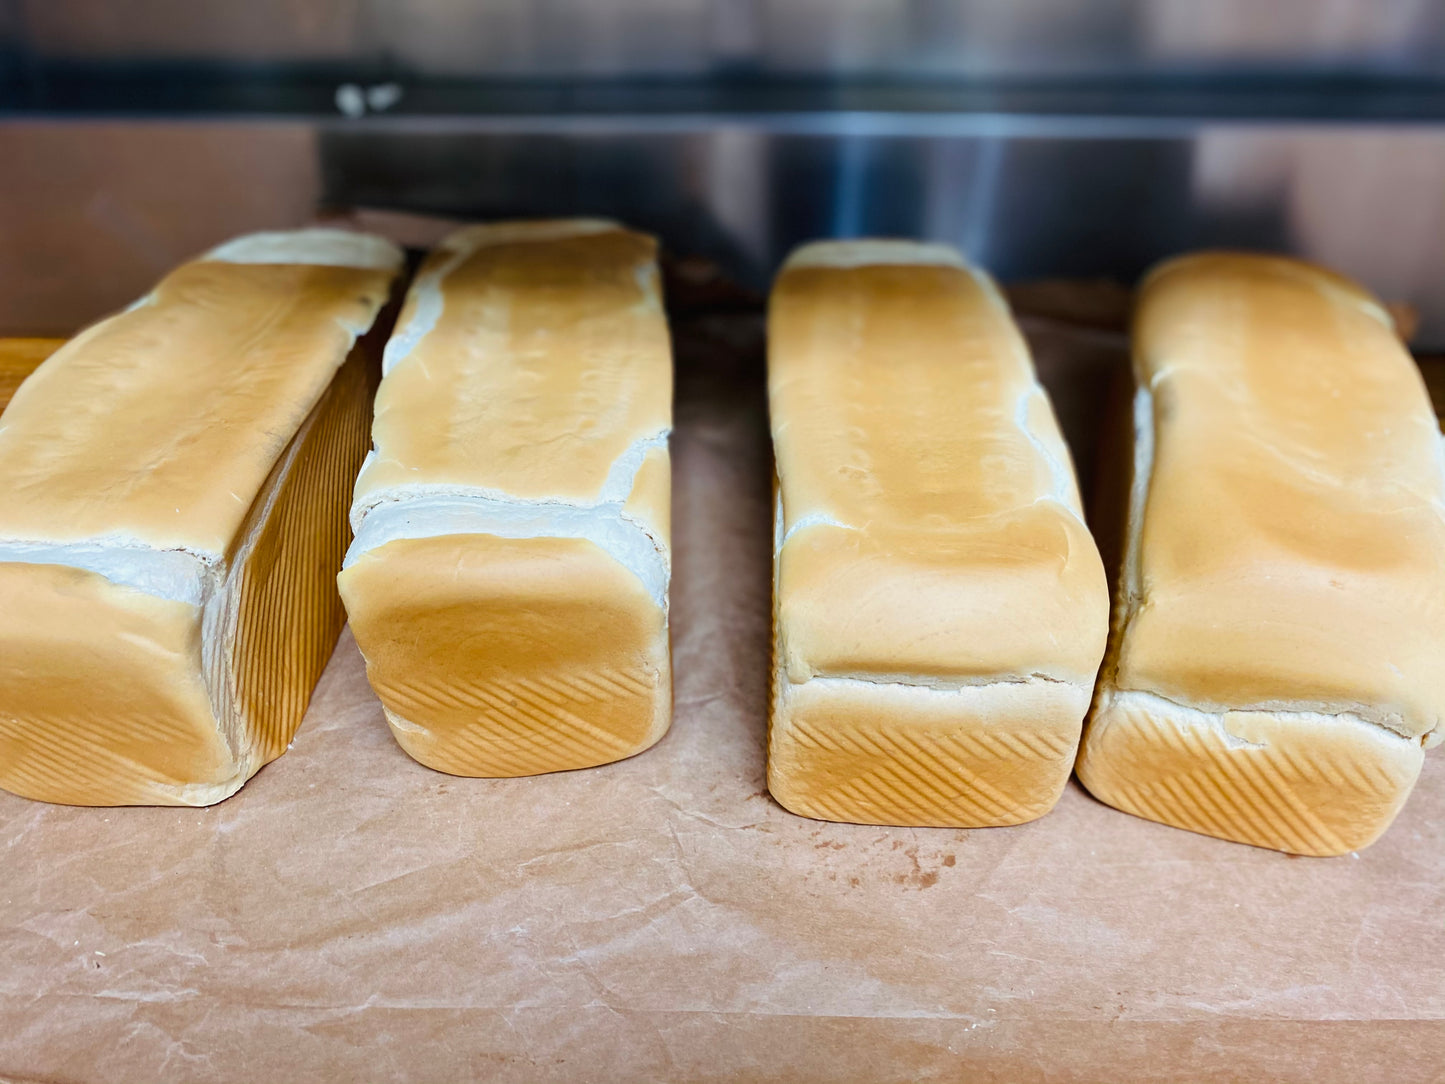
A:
(510, 656)
(879, 753)
(112, 696)
(1297, 782)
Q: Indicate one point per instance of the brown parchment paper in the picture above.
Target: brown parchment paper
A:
(351, 915)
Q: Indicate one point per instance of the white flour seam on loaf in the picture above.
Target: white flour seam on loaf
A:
(1183, 715)
(1063, 489)
(182, 575)
(1133, 597)
(812, 519)
(1439, 501)
(1061, 479)
(185, 574)
(321, 247)
(430, 511)
(938, 685)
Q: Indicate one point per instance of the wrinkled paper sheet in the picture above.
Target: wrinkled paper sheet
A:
(351, 915)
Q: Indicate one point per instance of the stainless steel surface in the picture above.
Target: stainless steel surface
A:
(902, 38)
(1045, 137)
(90, 213)
(925, 60)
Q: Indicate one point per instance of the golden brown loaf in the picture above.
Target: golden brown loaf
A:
(940, 607)
(508, 582)
(173, 491)
(1276, 661)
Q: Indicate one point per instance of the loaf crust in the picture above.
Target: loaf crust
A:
(940, 607)
(1275, 666)
(508, 584)
(154, 654)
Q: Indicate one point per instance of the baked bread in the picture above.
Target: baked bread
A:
(940, 609)
(508, 584)
(173, 492)
(1276, 660)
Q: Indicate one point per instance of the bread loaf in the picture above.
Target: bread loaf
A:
(1278, 653)
(940, 608)
(508, 584)
(173, 492)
